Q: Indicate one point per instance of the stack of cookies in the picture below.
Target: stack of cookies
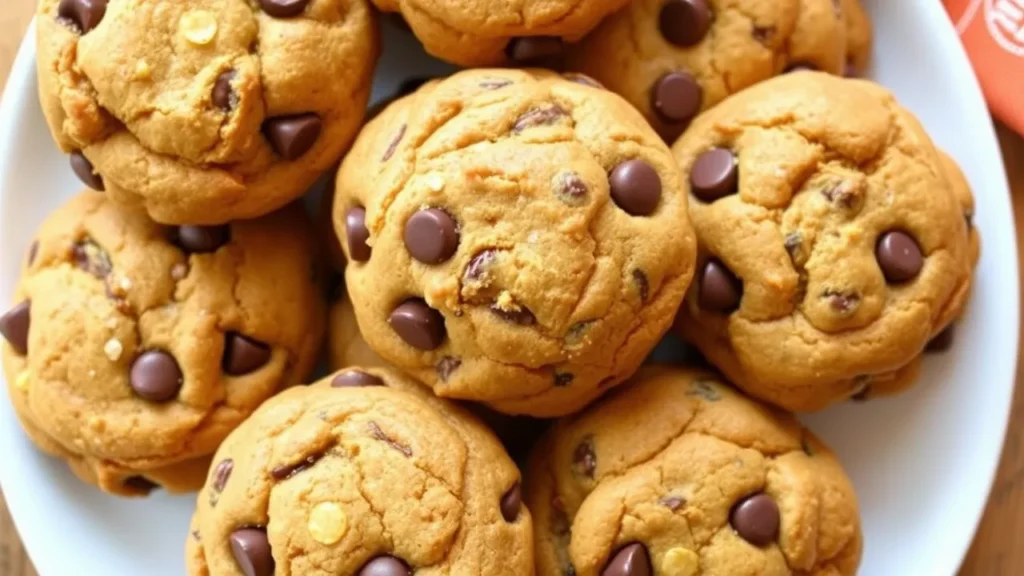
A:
(514, 243)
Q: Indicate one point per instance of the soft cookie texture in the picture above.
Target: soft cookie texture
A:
(832, 245)
(513, 238)
(495, 32)
(363, 473)
(677, 474)
(204, 111)
(134, 348)
(672, 59)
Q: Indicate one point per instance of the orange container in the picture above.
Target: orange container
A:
(993, 34)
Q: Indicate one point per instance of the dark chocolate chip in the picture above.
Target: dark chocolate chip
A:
(495, 84)
(446, 366)
(841, 193)
(676, 97)
(583, 79)
(83, 14)
(969, 219)
(221, 474)
(293, 136)
(718, 289)
(223, 96)
(584, 460)
(156, 376)
(284, 8)
(431, 236)
(544, 116)
(357, 234)
(805, 445)
(635, 187)
(196, 536)
(511, 502)
(385, 566)
(534, 49)
(763, 33)
(379, 434)
(642, 285)
(203, 239)
(522, 315)
(393, 145)
(478, 265)
(703, 389)
(82, 168)
(419, 325)
(714, 175)
(570, 188)
(943, 341)
(563, 379)
(243, 355)
(673, 503)
(33, 250)
(630, 560)
(90, 257)
(792, 243)
(14, 325)
(756, 519)
(684, 23)
(251, 549)
(355, 379)
(140, 484)
(288, 470)
(898, 256)
(842, 303)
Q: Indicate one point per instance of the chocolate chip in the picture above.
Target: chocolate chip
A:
(196, 536)
(203, 239)
(805, 445)
(431, 236)
(577, 331)
(419, 325)
(83, 14)
(446, 366)
(355, 379)
(33, 250)
(90, 257)
(641, 284)
(842, 193)
(283, 8)
(223, 96)
(969, 219)
(630, 560)
(82, 168)
(286, 471)
(384, 566)
(943, 341)
(251, 549)
(756, 519)
(495, 84)
(522, 315)
(379, 434)
(357, 234)
(393, 145)
(511, 502)
(684, 22)
(533, 49)
(156, 376)
(899, 256)
(293, 136)
(714, 175)
(842, 303)
(583, 79)
(478, 265)
(140, 484)
(584, 460)
(243, 355)
(676, 97)
(563, 379)
(570, 188)
(703, 389)
(763, 33)
(544, 116)
(14, 326)
(792, 243)
(673, 503)
(221, 474)
(635, 187)
(719, 290)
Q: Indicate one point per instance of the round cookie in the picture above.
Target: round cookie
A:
(672, 59)
(362, 473)
(832, 247)
(134, 348)
(497, 32)
(677, 474)
(513, 238)
(859, 35)
(204, 111)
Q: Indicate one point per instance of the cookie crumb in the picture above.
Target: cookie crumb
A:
(142, 70)
(113, 349)
(199, 27)
(327, 523)
(435, 182)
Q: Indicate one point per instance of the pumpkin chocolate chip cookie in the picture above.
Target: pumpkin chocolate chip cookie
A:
(364, 473)
(134, 348)
(832, 245)
(674, 58)
(677, 474)
(204, 111)
(513, 238)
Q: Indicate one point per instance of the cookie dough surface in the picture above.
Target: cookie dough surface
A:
(361, 473)
(513, 238)
(677, 474)
(134, 348)
(204, 111)
(832, 246)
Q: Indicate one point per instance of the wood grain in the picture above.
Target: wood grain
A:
(996, 550)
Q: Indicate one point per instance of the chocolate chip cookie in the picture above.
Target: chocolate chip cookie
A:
(513, 238)
(204, 111)
(674, 58)
(364, 473)
(497, 32)
(832, 245)
(677, 474)
(134, 348)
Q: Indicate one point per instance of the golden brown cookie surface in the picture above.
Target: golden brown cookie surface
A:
(362, 473)
(679, 475)
(513, 238)
(134, 348)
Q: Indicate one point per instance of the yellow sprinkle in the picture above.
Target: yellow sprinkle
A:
(327, 523)
(113, 349)
(199, 27)
(680, 562)
(21, 382)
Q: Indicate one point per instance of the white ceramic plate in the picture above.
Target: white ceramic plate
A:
(922, 463)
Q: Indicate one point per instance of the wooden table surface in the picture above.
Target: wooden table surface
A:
(997, 549)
